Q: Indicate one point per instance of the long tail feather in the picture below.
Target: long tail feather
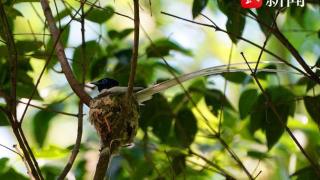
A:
(147, 93)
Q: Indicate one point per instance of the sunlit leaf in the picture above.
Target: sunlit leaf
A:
(162, 47)
(247, 100)
(198, 6)
(185, 127)
(100, 15)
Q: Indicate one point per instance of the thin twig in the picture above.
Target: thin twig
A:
(12, 150)
(240, 38)
(216, 166)
(278, 117)
(135, 49)
(25, 163)
(49, 110)
(76, 147)
(285, 42)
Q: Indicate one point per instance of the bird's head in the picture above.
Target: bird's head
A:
(105, 83)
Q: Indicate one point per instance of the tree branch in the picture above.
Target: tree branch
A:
(135, 49)
(75, 85)
(12, 115)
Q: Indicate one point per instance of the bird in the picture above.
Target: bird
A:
(105, 83)
(111, 86)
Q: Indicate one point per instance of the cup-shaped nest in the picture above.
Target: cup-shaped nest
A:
(115, 119)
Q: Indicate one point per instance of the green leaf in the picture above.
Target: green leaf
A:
(62, 14)
(236, 20)
(122, 68)
(317, 64)
(158, 115)
(28, 46)
(162, 47)
(257, 154)
(262, 116)
(305, 173)
(312, 105)
(113, 34)
(263, 75)
(41, 122)
(3, 165)
(78, 63)
(80, 170)
(100, 15)
(12, 174)
(247, 101)
(298, 13)
(266, 15)
(24, 91)
(185, 127)
(98, 67)
(307, 81)
(236, 77)
(12, 12)
(4, 121)
(63, 39)
(198, 6)
(214, 99)
(50, 172)
(178, 163)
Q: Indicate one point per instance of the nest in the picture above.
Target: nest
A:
(115, 119)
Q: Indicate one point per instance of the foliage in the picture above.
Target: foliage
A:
(245, 119)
